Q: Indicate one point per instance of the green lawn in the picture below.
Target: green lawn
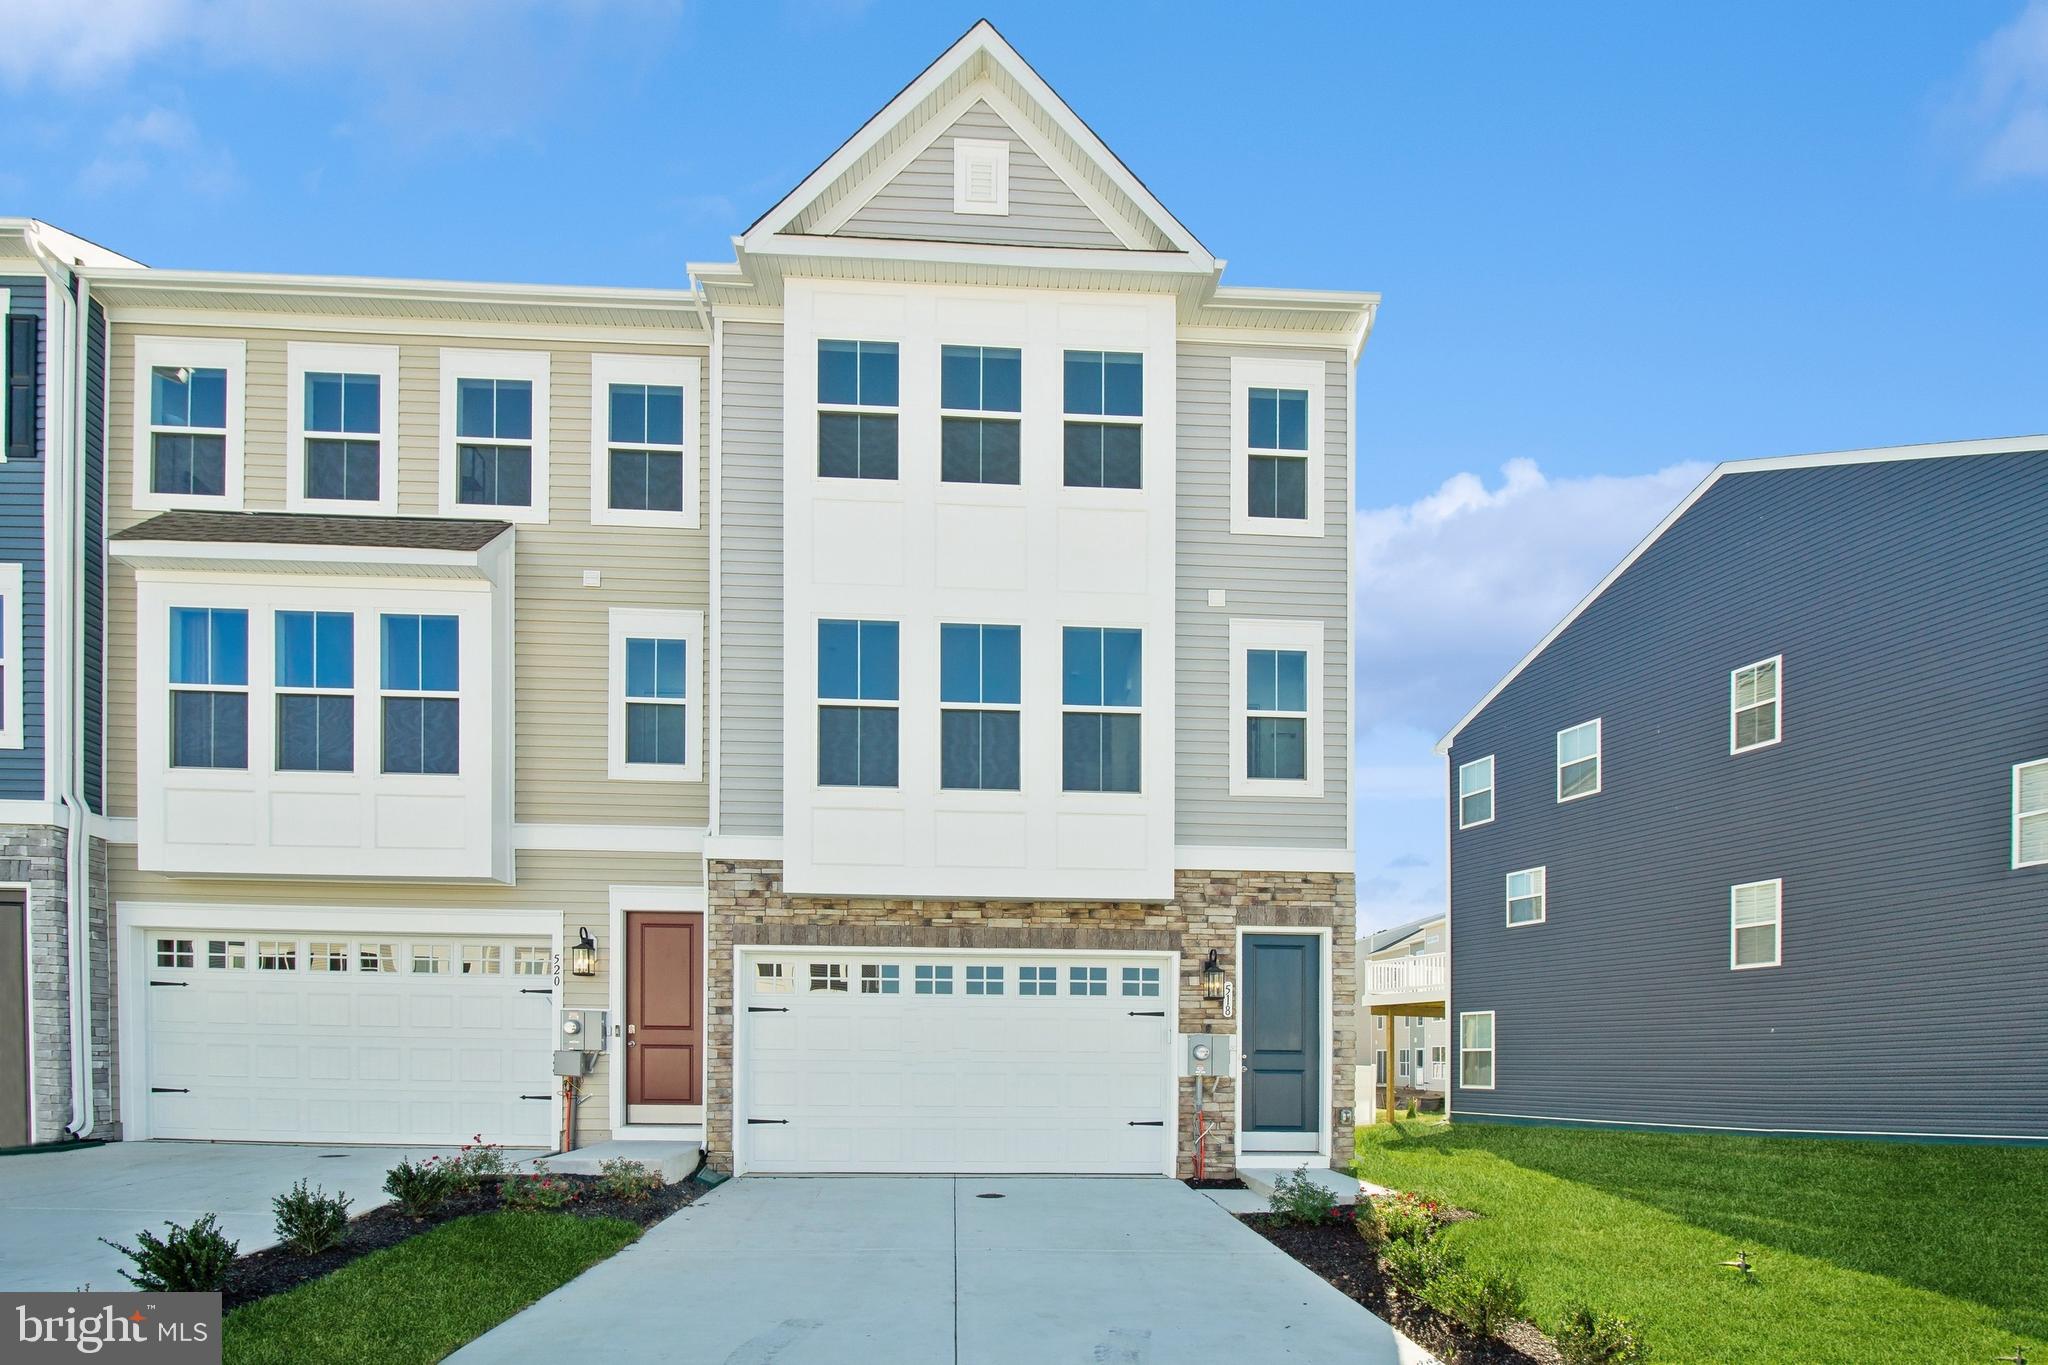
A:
(423, 1298)
(1865, 1251)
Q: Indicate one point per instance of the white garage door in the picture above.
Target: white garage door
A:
(337, 1039)
(951, 1062)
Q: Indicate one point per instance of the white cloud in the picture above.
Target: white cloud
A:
(2004, 105)
(1455, 587)
(158, 143)
(68, 43)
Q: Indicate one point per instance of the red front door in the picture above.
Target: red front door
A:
(664, 1013)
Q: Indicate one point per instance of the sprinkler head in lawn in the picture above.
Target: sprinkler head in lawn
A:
(1741, 1263)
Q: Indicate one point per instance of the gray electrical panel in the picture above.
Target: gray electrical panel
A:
(1208, 1054)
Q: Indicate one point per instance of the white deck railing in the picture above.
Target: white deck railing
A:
(1408, 978)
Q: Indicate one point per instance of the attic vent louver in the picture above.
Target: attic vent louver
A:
(981, 176)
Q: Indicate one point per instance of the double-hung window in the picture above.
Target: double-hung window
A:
(188, 423)
(1756, 924)
(343, 415)
(1276, 723)
(1528, 901)
(1578, 761)
(23, 344)
(188, 431)
(980, 704)
(1475, 792)
(1276, 461)
(11, 735)
(1753, 705)
(1475, 1050)
(1101, 691)
(316, 703)
(2029, 813)
(857, 703)
(1105, 410)
(209, 680)
(494, 437)
(653, 654)
(975, 381)
(1276, 416)
(643, 469)
(422, 707)
(857, 412)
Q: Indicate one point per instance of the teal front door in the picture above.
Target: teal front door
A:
(1283, 1042)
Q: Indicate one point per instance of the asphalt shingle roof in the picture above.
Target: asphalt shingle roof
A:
(302, 528)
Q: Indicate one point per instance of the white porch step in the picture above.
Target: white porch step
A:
(674, 1160)
(1259, 1172)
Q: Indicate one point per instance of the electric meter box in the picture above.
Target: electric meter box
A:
(1208, 1054)
(580, 1040)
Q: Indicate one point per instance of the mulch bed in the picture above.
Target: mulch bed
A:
(1229, 1183)
(1335, 1251)
(273, 1270)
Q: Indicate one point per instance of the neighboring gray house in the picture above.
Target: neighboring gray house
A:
(1764, 822)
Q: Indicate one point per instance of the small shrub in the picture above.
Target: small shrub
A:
(1483, 1302)
(626, 1180)
(1415, 1266)
(1588, 1336)
(191, 1260)
(536, 1192)
(474, 1160)
(1405, 1217)
(1299, 1200)
(420, 1188)
(1412, 1110)
(1365, 1219)
(310, 1221)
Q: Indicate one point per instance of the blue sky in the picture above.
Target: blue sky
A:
(1616, 241)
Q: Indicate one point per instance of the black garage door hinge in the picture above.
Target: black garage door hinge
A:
(168, 1090)
(537, 990)
(1146, 1014)
(783, 1121)
(767, 1009)
(170, 983)
(1146, 1123)
(536, 1097)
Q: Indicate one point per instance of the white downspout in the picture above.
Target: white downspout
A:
(63, 653)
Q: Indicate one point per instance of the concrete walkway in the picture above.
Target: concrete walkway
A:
(785, 1271)
(55, 1206)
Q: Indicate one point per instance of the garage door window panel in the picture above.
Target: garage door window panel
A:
(277, 955)
(482, 959)
(934, 980)
(227, 955)
(984, 980)
(377, 957)
(828, 976)
(326, 957)
(1038, 981)
(880, 978)
(1088, 981)
(1141, 981)
(174, 952)
(430, 959)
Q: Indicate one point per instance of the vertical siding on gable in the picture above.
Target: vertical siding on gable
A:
(95, 553)
(21, 542)
(749, 761)
(918, 203)
(1910, 604)
(1288, 577)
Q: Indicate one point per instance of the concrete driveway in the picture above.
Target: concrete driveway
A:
(932, 1271)
(55, 1206)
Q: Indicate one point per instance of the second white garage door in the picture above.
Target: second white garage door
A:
(921, 1062)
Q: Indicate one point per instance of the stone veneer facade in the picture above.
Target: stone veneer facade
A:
(33, 856)
(746, 905)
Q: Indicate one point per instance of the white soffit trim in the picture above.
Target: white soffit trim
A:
(266, 557)
(982, 40)
(1941, 450)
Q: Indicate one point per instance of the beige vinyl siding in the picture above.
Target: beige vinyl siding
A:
(578, 884)
(918, 203)
(1287, 577)
(560, 647)
(749, 761)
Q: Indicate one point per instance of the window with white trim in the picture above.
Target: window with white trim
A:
(656, 668)
(857, 409)
(1528, 902)
(644, 451)
(980, 707)
(2030, 813)
(828, 976)
(316, 700)
(430, 959)
(975, 382)
(981, 176)
(483, 959)
(984, 980)
(1475, 792)
(1756, 924)
(12, 733)
(1276, 699)
(857, 703)
(380, 958)
(1087, 981)
(1038, 981)
(880, 978)
(1106, 391)
(1141, 981)
(771, 979)
(187, 430)
(322, 956)
(1754, 706)
(228, 954)
(1578, 761)
(530, 960)
(1102, 719)
(174, 952)
(1276, 420)
(422, 701)
(342, 427)
(934, 980)
(1475, 1050)
(209, 684)
(277, 955)
(494, 434)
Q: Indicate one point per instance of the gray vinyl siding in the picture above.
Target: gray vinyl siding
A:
(95, 552)
(749, 758)
(1288, 577)
(918, 203)
(21, 542)
(1910, 603)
